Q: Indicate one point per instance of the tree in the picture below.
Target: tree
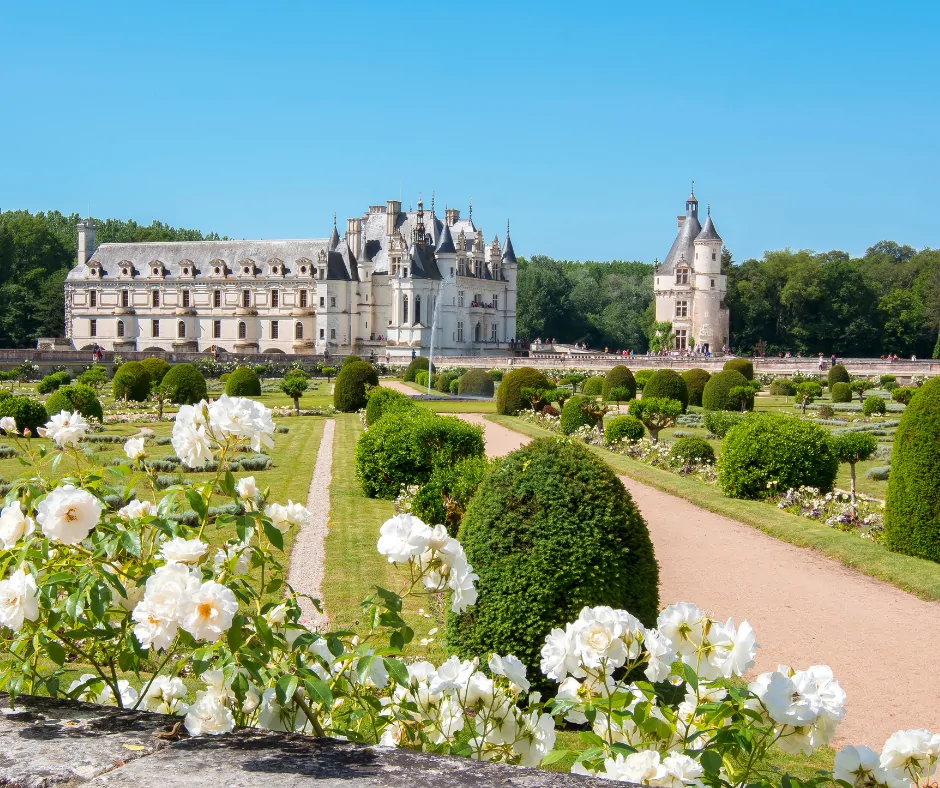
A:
(854, 447)
(656, 413)
(661, 336)
(740, 396)
(329, 372)
(294, 385)
(860, 387)
(620, 394)
(808, 391)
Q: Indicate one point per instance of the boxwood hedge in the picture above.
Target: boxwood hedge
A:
(695, 380)
(667, 384)
(620, 377)
(349, 391)
(509, 394)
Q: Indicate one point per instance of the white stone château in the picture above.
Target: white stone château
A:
(374, 290)
(689, 286)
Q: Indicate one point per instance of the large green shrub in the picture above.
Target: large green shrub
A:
(184, 385)
(421, 378)
(444, 497)
(95, 376)
(718, 422)
(350, 359)
(695, 380)
(417, 363)
(717, 392)
(403, 448)
(443, 380)
(509, 394)
(642, 377)
(475, 383)
(837, 374)
(352, 382)
(28, 413)
(131, 382)
(593, 387)
(382, 400)
(52, 382)
(904, 394)
(573, 415)
(550, 530)
(620, 427)
(667, 384)
(75, 397)
(618, 378)
(767, 454)
(742, 365)
(689, 450)
(243, 382)
(156, 368)
(912, 509)
(783, 387)
(874, 405)
(840, 392)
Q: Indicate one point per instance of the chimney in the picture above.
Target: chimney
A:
(451, 216)
(681, 221)
(354, 235)
(86, 240)
(392, 209)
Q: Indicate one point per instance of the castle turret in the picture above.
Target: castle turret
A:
(708, 249)
(334, 236)
(86, 240)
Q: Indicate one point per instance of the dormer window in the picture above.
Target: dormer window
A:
(124, 272)
(185, 272)
(682, 276)
(186, 268)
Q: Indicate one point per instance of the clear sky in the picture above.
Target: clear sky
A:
(809, 125)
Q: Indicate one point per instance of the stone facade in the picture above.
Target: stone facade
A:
(374, 290)
(689, 286)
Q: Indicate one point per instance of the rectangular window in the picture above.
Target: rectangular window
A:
(493, 332)
(93, 328)
(217, 299)
(714, 255)
(460, 298)
(322, 302)
(495, 301)
(275, 299)
(682, 276)
(125, 299)
(93, 298)
(155, 328)
(242, 330)
(246, 298)
(332, 302)
(155, 299)
(682, 308)
(459, 331)
(303, 299)
(332, 333)
(713, 282)
(322, 333)
(186, 299)
(181, 330)
(681, 339)
(274, 329)
(216, 329)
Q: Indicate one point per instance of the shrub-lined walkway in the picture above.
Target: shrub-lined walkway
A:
(880, 642)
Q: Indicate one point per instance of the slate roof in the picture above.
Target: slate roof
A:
(709, 233)
(682, 247)
(423, 265)
(446, 244)
(509, 255)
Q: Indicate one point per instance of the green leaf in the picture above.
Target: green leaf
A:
(589, 737)
(285, 688)
(711, 761)
(397, 670)
(197, 503)
(130, 541)
(364, 667)
(274, 536)
(56, 652)
(553, 757)
(390, 598)
(100, 596)
(318, 691)
(690, 676)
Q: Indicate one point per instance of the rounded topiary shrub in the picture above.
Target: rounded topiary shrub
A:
(404, 447)
(156, 368)
(350, 359)
(667, 384)
(550, 530)
(243, 382)
(874, 405)
(840, 392)
(421, 378)
(642, 377)
(686, 451)
(695, 380)
(349, 393)
(717, 392)
(618, 378)
(443, 380)
(131, 381)
(593, 387)
(742, 365)
(623, 427)
(509, 394)
(382, 400)
(912, 509)
(767, 454)
(52, 382)
(573, 416)
(496, 375)
(75, 397)
(783, 387)
(837, 374)
(475, 383)
(826, 412)
(718, 422)
(184, 385)
(28, 413)
(417, 364)
(903, 394)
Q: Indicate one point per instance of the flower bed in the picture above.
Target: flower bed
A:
(865, 519)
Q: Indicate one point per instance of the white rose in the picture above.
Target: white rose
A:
(208, 716)
(158, 613)
(246, 488)
(68, 515)
(242, 418)
(859, 766)
(134, 448)
(19, 600)
(403, 537)
(8, 425)
(183, 551)
(512, 668)
(278, 516)
(14, 525)
(165, 695)
(137, 509)
(297, 514)
(209, 611)
(65, 428)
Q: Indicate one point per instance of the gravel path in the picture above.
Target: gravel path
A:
(805, 608)
(308, 555)
(394, 385)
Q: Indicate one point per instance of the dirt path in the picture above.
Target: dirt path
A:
(308, 554)
(394, 385)
(499, 440)
(806, 609)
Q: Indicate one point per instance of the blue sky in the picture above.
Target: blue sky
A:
(809, 125)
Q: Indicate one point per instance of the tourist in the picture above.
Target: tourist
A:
(822, 362)
(832, 360)
(413, 353)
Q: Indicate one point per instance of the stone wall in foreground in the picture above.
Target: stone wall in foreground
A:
(46, 743)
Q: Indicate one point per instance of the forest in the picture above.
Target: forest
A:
(886, 301)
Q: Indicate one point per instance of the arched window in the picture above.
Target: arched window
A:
(404, 309)
(417, 309)
(181, 330)
(242, 330)
(476, 333)
(298, 330)
(120, 328)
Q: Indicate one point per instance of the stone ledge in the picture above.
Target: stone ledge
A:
(46, 743)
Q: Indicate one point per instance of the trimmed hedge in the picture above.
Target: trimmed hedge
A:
(243, 382)
(837, 374)
(28, 413)
(442, 381)
(593, 387)
(53, 382)
(768, 453)
(912, 510)
(718, 422)
(382, 400)
(620, 377)
(689, 450)
(741, 365)
(349, 391)
(695, 380)
(904, 394)
(620, 427)
(874, 405)
(417, 363)
(404, 447)
(444, 497)
(509, 394)
(840, 392)
(421, 378)
(131, 381)
(716, 395)
(156, 368)
(75, 397)
(184, 385)
(668, 384)
(550, 530)
(475, 383)
(573, 417)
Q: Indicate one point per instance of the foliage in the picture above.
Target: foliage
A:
(575, 414)
(350, 359)
(718, 422)
(444, 497)
(620, 394)
(717, 392)
(403, 447)
(184, 384)
(840, 392)
(667, 384)
(496, 375)
(95, 376)
(874, 405)
(695, 380)
(75, 397)
(618, 377)
(742, 365)
(741, 397)
(131, 382)
(689, 450)
(783, 387)
(623, 427)
(417, 363)
(545, 506)
(903, 394)
(421, 378)
(884, 380)
(52, 382)
(767, 453)
(29, 413)
(475, 383)
(660, 335)
(443, 380)
(826, 412)
(593, 386)
(509, 394)
(809, 388)
(384, 400)
(837, 374)
(156, 369)
(643, 376)
(294, 385)
(243, 382)
(352, 383)
(656, 413)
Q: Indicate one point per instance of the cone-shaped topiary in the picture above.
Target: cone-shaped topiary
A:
(550, 530)
(509, 394)
(417, 364)
(184, 385)
(383, 400)
(695, 380)
(619, 378)
(912, 509)
(741, 365)
(243, 382)
(837, 374)
(667, 384)
(131, 381)
(840, 392)
(593, 387)
(717, 392)
(156, 368)
(349, 392)
(475, 383)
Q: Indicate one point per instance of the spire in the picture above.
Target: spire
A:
(709, 233)
(509, 254)
(691, 205)
(432, 202)
(446, 244)
(334, 236)
(470, 213)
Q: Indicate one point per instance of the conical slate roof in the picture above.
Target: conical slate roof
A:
(446, 243)
(334, 238)
(509, 255)
(709, 233)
